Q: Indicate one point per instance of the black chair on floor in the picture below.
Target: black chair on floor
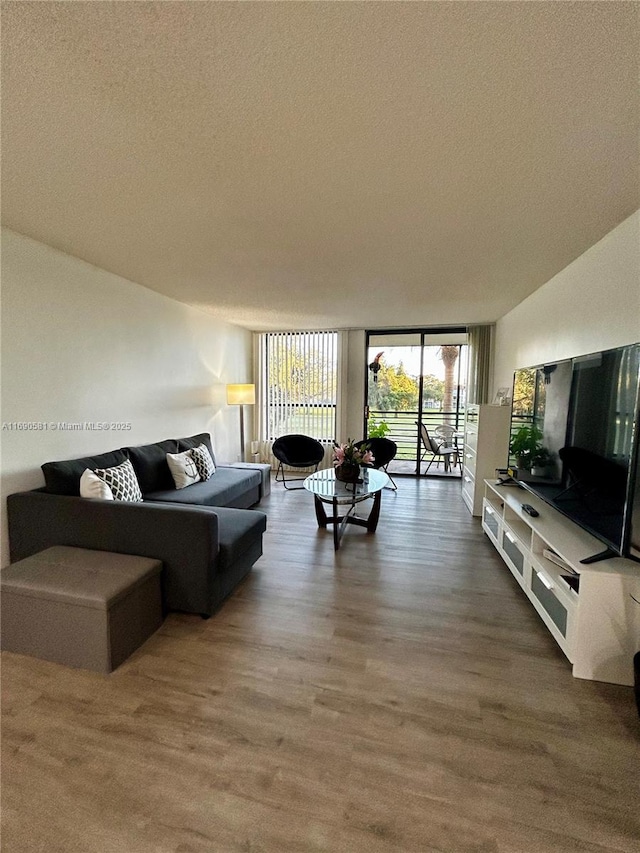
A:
(384, 450)
(296, 451)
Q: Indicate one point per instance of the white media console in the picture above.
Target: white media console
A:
(597, 625)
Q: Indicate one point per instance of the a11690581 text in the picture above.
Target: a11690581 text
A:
(66, 426)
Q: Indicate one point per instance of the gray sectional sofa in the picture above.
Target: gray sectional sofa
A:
(205, 534)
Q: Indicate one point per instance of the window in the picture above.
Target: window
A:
(299, 381)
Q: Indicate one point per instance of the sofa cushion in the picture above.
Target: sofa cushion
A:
(203, 461)
(63, 478)
(238, 530)
(122, 481)
(94, 487)
(195, 441)
(183, 469)
(227, 487)
(150, 464)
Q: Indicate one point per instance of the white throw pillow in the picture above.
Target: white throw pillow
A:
(204, 463)
(122, 481)
(91, 486)
(183, 469)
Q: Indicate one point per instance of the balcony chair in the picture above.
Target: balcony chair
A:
(296, 451)
(452, 437)
(438, 447)
(446, 432)
(384, 450)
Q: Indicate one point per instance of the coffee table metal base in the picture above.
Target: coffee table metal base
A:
(340, 521)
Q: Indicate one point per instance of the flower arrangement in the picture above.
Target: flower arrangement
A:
(349, 454)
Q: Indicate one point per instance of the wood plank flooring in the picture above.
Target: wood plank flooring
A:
(400, 696)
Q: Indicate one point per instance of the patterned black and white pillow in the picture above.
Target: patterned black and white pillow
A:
(183, 469)
(122, 481)
(203, 461)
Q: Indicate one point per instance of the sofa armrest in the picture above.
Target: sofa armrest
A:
(185, 538)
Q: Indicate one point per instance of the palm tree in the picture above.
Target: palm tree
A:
(448, 356)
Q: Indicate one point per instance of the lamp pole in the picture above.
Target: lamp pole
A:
(241, 395)
(242, 459)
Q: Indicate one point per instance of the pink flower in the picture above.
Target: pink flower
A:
(349, 453)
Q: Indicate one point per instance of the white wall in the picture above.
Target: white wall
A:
(352, 426)
(82, 345)
(593, 304)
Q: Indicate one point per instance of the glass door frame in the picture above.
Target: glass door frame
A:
(424, 332)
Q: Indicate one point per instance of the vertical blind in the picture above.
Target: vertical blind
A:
(299, 384)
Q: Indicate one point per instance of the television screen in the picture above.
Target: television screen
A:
(580, 419)
(540, 411)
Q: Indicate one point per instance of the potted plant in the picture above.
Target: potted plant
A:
(541, 460)
(378, 430)
(526, 441)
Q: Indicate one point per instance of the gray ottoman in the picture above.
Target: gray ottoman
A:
(81, 608)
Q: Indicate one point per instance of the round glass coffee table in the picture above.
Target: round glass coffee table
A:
(327, 490)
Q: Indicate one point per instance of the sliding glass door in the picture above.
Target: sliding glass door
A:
(415, 378)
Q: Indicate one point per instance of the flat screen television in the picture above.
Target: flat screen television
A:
(582, 419)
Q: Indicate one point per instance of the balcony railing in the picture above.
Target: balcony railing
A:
(404, 431)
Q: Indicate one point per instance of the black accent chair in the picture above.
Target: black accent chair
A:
(296, 451)
(384, 450)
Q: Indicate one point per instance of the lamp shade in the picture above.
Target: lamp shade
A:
(241, 395)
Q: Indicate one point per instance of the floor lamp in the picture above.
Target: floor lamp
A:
(241, 395)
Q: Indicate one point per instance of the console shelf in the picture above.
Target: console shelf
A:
(589, 609)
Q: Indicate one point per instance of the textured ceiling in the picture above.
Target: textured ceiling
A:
(309, 165)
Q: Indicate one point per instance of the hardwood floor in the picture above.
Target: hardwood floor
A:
(400, 695)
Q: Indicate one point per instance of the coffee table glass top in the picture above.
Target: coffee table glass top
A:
(323, 484)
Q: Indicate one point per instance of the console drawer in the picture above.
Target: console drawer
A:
(490, 521)
(554, 608)
(511, 548)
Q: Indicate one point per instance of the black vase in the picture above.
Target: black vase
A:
(348, 472)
